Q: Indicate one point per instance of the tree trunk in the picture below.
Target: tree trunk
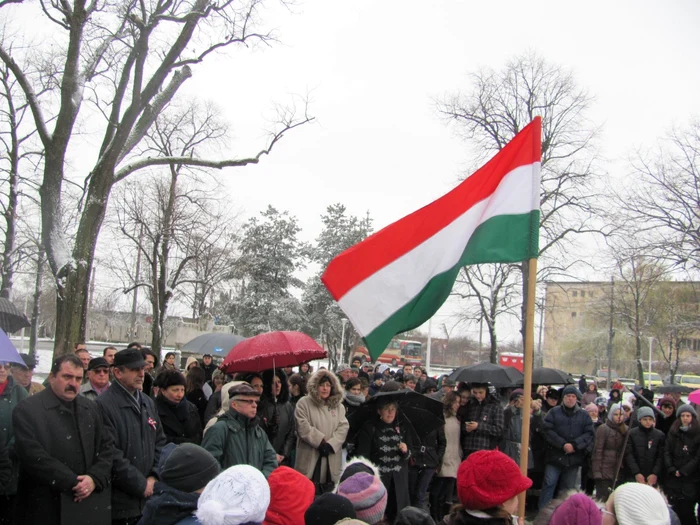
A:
(493, 356)
(10, 214)
(36, 307)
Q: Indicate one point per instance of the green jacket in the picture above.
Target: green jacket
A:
(10, 398)
(237, 440)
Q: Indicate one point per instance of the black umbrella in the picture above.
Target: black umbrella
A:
(496, 375)
(670, 389)
(422, 413)
(11, 317)
(551, 376)
(216, 344)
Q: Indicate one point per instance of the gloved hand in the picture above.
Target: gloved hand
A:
(325, 449)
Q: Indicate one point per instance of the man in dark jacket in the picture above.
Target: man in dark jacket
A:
(483, 421)
(568, 430)
(65, 453)
(427, 456)
(135, 426)
(208, 366)
(236, 438)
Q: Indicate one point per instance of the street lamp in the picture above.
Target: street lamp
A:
(342, 336)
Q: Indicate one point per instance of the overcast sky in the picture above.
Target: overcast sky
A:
(374, 69)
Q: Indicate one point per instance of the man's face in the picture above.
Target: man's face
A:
(570, 400)
(479, 394)
(424, 375)
(23, 376)
(357, 363)
(246, 406)
(346, 374)
(109, 355)
(99, 377)
(518, 402)
(84, 356)
(551, 401)
(407, 369)
(131, 378)
(66, 383)
(411, 385)
(150, 362)
(207, 360)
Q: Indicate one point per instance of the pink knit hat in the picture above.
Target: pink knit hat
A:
(577, 509)
(367, 494)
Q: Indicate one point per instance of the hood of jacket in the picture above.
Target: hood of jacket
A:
(267, 385)
(336, 388)
(168, 506)
(190, 360)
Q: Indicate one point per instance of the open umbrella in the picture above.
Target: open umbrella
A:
(551, 376)
(11, 317)
(272, 350)
(217, 343)
(496, 375)
(422, 413)
(671, 389)
(8, 352)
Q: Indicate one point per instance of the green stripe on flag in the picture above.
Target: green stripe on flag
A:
(504, 239)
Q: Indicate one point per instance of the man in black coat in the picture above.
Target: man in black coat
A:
(135, 426)
(208, 366)
(65, 453)
(568, 431)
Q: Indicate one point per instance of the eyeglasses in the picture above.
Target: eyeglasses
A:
(100, 371)
(5, 366)
(247, 401)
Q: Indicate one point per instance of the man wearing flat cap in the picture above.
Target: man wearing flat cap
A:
(133, 421)
(236, 438)
(22, 374)
(98, 378)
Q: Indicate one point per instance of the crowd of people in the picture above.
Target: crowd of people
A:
(122, 439)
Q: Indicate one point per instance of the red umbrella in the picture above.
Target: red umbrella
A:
(272, 350)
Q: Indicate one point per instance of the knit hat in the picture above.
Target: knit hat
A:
(383, 368)
(614, 409)
(644, 412)
(488, 478)
(240, 494)
(168, 378)
(291, 494)
(329, 509)
(638, 503)
(515, 394)
(189, 468)
(413, 516)
(577, 509)
(571, 389)
(686, 408)
(342, 368)
(591, 408)
(667, 400)
(367, 495)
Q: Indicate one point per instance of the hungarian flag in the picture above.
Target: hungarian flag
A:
(396, 279)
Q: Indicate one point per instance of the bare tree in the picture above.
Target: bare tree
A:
(664, 201)
(501, 103)
(127, 60)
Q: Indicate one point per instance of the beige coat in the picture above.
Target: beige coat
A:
(453, 451)
(318, 420)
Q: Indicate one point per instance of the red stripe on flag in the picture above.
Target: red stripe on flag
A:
(359, 262)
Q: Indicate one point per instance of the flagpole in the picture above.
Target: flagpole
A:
(527, 370)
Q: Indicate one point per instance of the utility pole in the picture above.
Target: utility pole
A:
(611, 333)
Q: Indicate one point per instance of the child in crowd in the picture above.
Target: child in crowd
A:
(644, 454)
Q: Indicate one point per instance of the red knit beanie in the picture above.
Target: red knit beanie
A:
(488, 478)
(291, 493)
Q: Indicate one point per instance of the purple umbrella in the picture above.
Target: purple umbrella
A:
(8, 352)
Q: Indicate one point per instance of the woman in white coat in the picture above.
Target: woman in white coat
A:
(321, 426)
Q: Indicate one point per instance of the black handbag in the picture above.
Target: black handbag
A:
(328, 485)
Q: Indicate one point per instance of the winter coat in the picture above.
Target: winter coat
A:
(664, 424)
(427, 452)
(682, 454)
(564, 425)
(607, 450)
(213, 406)
(489, 415)
(169, 506)
(455, 441)
(35, 388)
(208, 370)
(135, 427)
(318, 420)
(645, 452)
(11, 396)
(238, 440)
(5, 465)
(588, 396)
(512, 433)
(199, 400)
(180, 422)
(379, 442)
(55, 444)
(277, 416)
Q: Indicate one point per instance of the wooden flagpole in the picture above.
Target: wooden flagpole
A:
(527, 370)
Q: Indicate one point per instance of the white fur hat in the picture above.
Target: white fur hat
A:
(240, 494)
